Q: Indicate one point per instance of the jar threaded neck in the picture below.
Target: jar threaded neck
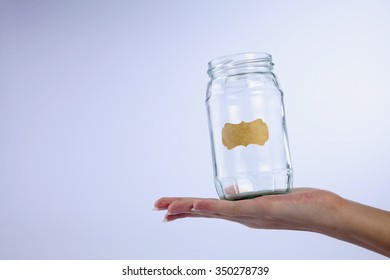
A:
(239, 64)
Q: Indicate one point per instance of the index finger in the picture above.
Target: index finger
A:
(164, 202)
(248, 208)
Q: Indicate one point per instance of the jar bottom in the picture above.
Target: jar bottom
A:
(249, 186)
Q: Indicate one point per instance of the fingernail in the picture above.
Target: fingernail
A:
(197, 210)
(166, 217)
(165, 220)
(157, 209)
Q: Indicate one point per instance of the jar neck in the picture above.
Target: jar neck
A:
(240, 64)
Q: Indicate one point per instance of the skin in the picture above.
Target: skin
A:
(305, 209)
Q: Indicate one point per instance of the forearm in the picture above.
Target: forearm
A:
(362, 225)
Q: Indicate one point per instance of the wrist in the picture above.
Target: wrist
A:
(358, 224)
(330, 214)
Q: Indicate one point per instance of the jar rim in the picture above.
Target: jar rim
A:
(240, 63)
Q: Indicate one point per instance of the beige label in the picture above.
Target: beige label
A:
(255, 132)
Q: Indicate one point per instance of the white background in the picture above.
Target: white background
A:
(102, 112)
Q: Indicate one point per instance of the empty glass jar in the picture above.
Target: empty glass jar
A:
(247, 127)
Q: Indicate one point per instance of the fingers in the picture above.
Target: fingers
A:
(171, 217)
(181, 206)
(164, 202)
(241, 208)
(176, 205)
(220, 207)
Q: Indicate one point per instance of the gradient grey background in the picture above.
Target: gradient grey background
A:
(102, 112)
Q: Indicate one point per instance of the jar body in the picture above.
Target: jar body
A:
(248, 131)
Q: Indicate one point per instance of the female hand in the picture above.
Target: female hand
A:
(300, 209)
(307, 209)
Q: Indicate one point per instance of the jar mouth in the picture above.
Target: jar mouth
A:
(240, 63)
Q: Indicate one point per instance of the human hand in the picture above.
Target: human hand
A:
(302, 209)
(305, 209)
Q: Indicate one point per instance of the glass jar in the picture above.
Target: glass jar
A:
(247, 127)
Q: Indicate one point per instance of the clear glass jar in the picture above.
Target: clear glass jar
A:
(247, 127)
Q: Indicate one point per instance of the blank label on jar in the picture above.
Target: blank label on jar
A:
(245, 133)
